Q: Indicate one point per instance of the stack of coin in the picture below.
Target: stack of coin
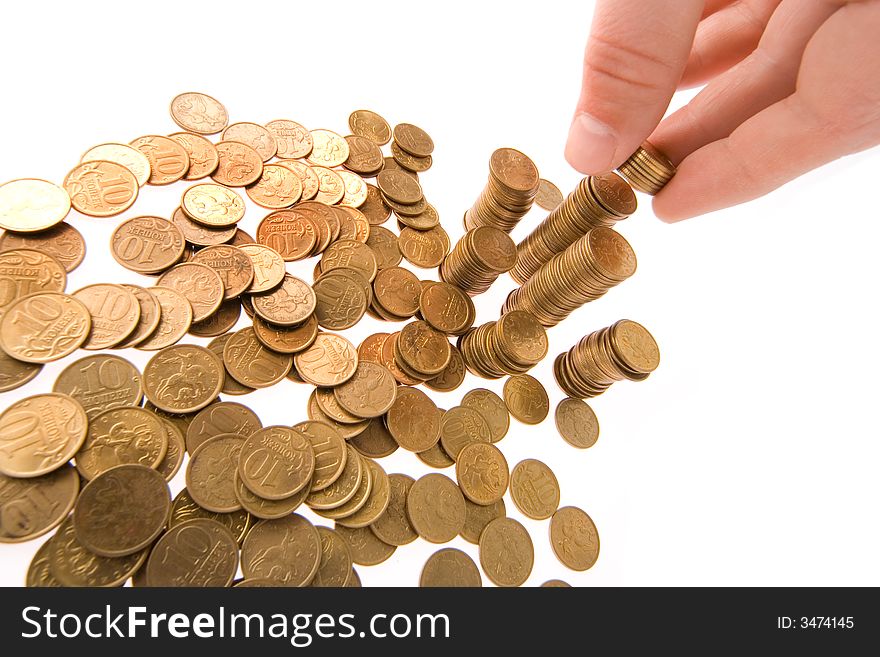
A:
(412, 148)
(597, 201)
(583, 272)
(479, 257)
(446, 307)
(624, 350)
(512, 345)
(509, 194)
(420, 351)
(648, 170)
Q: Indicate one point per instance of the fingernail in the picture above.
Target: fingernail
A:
(591, 145)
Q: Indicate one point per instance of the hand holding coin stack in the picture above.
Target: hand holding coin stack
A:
(245, 482)
(648, 170)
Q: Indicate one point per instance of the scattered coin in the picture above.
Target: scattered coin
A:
(289, 304)
(175, 318)
(450, 567)
(114, 310)
(477, 516)
(287, 550)
(119, 436)
(16, 373)
(36, 505)
(62, 242)
(366, 548)
(435, 508)
(574, 538)
(73, 564)
(30, 205)
(534, 489)
(370, 125)
(239, 165)
(199, 283)
(210, 473)
(183, 378)
(199, 113)
(253, 135)
(414, 420)
(203, 157)
(506, 552)
(147, 245)
(26, 271)
(330, 361)
(199, 552)
(577, 423)
(482, 473)
(492, 408)
(221, 418)
(44, 327)
(101, 382)
(526, 399)
(548, 197)
(276, 462)
(169, 161)
(328, 149)
(292, 140)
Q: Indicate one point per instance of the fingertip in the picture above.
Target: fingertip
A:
(591, 145)
(669, 209)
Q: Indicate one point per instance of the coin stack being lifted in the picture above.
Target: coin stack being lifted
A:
(94, 457)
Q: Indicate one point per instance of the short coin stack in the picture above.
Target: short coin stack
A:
(512, 345)
(624, 350)
(509, 194)
(648, 170)
(583, 272)
(597, 201)
(479, 257)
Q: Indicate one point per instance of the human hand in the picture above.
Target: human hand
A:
(790, 86)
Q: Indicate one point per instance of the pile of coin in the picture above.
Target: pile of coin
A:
(624, 350)
(512, 345)
(509, 194)
(480, 256)
(648, 170)
(583, 272)
(128, 432)
(597, 201)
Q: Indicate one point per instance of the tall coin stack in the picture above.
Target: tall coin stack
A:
(648, 170)
(512, 345)
(596, 201)
(624, 350)
(509, 194)
(583, 272)
(479, 257)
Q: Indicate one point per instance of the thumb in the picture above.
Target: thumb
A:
(635, 56)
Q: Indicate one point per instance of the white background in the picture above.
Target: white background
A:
(748, 458)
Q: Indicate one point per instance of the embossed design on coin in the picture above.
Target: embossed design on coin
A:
(147, 245)
(169, 161)
(366, 548)
(414, 420)
(328, 149)
(506, 552)
(119, 436)
(183, 378)
(199, 552)
(450, 567)
(492, 408)
(114, 312)
(44, 327)
(287, 550)
(574, 538)
(239, 166)
(413, 139)
(293, 140)
(267, 265)
(289, 304)
(534, 489)
(201, 285)
(210, 473)
(175, 318)
(74, 565)
(330, 452)
(184, 508)
(199, 113)
(330, 361)
(577, 423)
(101, 189)
(30, 204)
(278, 187)
(234, 266)
(482, 474)
(62, 242)
(203, 158)
(335, 567)
(131, 159)
(222, 417)
(213, 205)
(393, 526)
(255, 136)
(478, 516)
(435, 507)
(101, 382)
(276, 462)
(526, 399)
(463, 426)
(31, 507)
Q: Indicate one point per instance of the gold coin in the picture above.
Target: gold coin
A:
(101, 382)
(75, 565)
(286, 339)
(482, 474)
(424, 248)
(330, 361)
(267, 509)
(203, 157)
(118, 436)
(287, 550)
(371, 348)
(29, 205)
(477, 516)
(253, 135)
(335, 567)
(577, 423)
(147, 245)
(534, 489)
(413, 139)
(408, 161)
(230, 385)
(183, 378)
(276, 462)
(328, 149)
(364, 156)
(62, 242)
(389, 360)
(506, 552)
(39, 574)
(436, 456)
(26, 271)
(414, 420)
(210, 473)
(44, 327)
(363, 488)
(199, 113)
(36, 505)
(293, 140)
(634, 346)
(221, 418)
(307, 177)
(115, 313)
(223, 319)
(492, 408)
(397, 290)
(450, 567)
(198, 234)
(574, 538)
(184, 509)
(251, 364)
(376, 502)
(435, 508)
(549, 197)
(175, 318)
(375, 441)
(366, 548)
(399, 187)
(347, 431)
(173, 459)
(169, 161)
(355, 189)
(239, 165)
(290, 233)
(234, 266)
(526, 399)
(101, 188)
(344, 488)
(131, 159)
(289, 304)
(330, 453)
(277, 188)
(374, 208)
(393, 526)
(368, 124)
(16, 373)
(369, 393)
(340, 300)
(331, 187)
(213, 205)
(423, 349)
(201, 285)
(384, 246)
(462, 426)
(121, 511)
(199, 552)
(267, 265)
(350, 254)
